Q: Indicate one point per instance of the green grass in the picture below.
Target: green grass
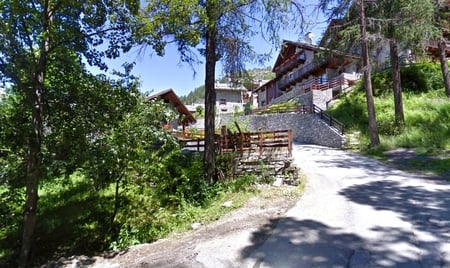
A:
(74, 216)
(285, 107)
(427, 127)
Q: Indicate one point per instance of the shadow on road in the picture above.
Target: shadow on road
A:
(308, 243)
(428, 210)
(303, 243)
(421, 206)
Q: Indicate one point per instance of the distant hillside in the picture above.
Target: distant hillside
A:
(195, 96)
(253, 76)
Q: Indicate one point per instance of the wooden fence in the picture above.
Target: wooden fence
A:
(259, 142)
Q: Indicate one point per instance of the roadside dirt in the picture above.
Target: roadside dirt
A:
(260, 212)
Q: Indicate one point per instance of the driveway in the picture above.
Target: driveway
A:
(358, 212)
(355, 212)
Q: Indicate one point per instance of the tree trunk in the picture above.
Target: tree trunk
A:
(444, 66)
(442, 45)
(34, 158)
(34, 174)
(210, 96)
(396, 84)
(116, 203)
(373, 129)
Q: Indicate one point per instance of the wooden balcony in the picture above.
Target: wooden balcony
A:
(298, 75)
(291, 63)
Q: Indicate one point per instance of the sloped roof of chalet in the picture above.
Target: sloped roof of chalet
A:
(169, 96)
(264, 85)
(229, 86)
(289, 48)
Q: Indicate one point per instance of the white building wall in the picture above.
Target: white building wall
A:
(262, 100)
(309, 56)
(229, 101)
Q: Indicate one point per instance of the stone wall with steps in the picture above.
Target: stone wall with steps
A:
(306, 128)
(277, 164)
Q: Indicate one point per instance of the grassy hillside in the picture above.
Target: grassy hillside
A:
(427, 117)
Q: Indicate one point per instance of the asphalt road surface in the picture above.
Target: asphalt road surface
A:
(358, 212)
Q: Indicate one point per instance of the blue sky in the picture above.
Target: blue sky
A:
(160, 73)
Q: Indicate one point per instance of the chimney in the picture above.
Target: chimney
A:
(308, 38)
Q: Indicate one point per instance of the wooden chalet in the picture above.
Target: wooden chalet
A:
(185, 116)
(310, 67)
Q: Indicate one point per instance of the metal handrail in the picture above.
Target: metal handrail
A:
(330, 120)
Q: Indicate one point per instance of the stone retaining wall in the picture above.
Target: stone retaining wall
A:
(317, 97)
(306, 128)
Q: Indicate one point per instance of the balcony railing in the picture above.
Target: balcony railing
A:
(330, 120)
(298, 75)
(291, 64)
(342, 81)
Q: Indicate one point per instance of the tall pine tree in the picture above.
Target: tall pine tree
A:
(222, 31)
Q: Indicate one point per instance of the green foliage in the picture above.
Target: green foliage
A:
(12, 200)
(240, 121)
(386, 123)
(73, 219)
(381, 83)
(418, 77)
(199, 112)
(351, 110)
(426, 115)
(179, 178)
(421, 77)
(252, 76)
(284, 107)
(244, 182)
(265, 176)
(40, 38)
(225, 164)
(14, 130)
(79, 116)
(145, 221)
(411, 22)
(195, 96)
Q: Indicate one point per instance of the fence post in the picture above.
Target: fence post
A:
(260, 137)
(290, 142)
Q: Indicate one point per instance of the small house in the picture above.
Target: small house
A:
(185, 116)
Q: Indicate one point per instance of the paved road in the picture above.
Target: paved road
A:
(357, 212)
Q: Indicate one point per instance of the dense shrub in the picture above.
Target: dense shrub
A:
(179, 177)
(421, 77)
(418, 77)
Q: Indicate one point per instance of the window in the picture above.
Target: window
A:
(223, 102)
